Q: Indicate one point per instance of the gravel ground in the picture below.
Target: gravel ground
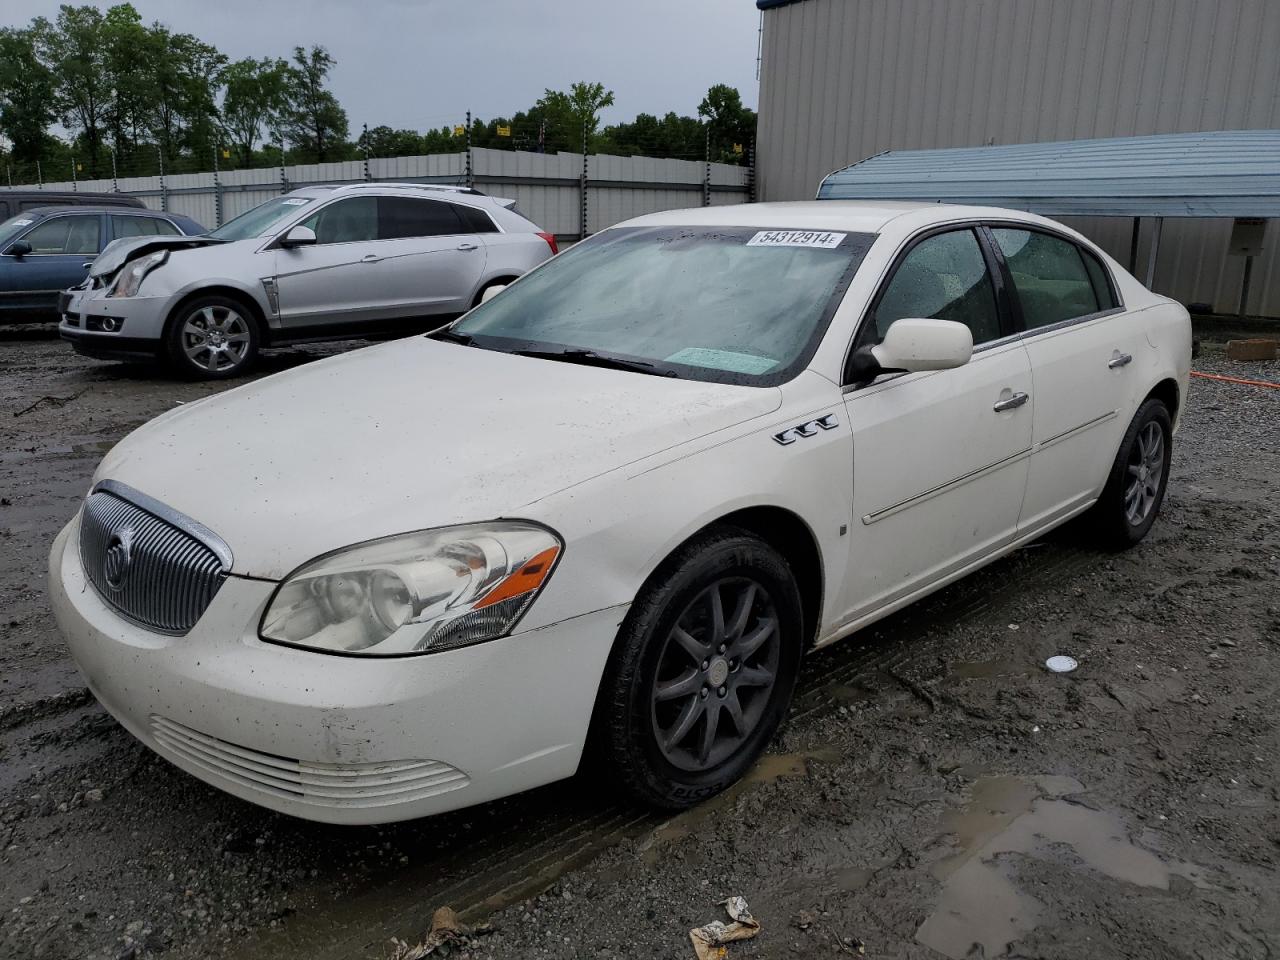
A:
(935, 791)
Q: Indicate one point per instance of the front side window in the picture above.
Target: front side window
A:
(345, 221)
(725, 304)
(1049, 276)
(141, 227)
(403, 217)
(64, 235)
(943, 277)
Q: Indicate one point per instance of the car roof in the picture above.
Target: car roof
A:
(860, 216)
(112, 209)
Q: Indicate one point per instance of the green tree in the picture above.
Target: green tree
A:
(729, 123)
(183, 72)
(386, 142)
(257, 94)
(125, 116)
(73, 47)
(315, 122)
(572, 113)
(27, 91)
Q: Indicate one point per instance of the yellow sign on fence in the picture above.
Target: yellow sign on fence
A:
(459, 131)
(504, 131)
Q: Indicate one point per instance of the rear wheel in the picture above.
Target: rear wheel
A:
(212, 338)
(1139, 476)
(703, 671)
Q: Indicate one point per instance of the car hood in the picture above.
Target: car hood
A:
(406, 436)
(119, 252)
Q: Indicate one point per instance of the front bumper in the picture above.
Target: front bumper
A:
(137, 322)
(330, 738)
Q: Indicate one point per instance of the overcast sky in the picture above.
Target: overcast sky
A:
(423, 63)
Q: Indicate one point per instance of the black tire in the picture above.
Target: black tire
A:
(219, 361)
(629, 728)
(1113, 517)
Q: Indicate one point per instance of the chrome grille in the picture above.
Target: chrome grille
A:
(155, 566)
(319, 784)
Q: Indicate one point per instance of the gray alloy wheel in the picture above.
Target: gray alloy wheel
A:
(1146, 469)
(715, 674)
(702, 671)
(212, 338)
(1134, 492)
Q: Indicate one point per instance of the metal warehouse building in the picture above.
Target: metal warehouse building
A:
(844, 80)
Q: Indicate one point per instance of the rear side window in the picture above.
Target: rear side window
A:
(401, 217)
(1049, 275)
(64, 235)
(475, 221)
(141, 227)
(1101, 281)
(942, 277)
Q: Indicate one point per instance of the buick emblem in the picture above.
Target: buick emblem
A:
(115, 566)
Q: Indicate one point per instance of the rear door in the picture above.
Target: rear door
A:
(429, 261)
(335, 281)
(62, 247)
(939, 457)
(1082, 346)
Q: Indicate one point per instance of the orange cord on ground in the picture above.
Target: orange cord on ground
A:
(1251, 383)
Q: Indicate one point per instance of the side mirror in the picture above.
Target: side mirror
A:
(19, 249)
(914, 345)
(298, 236)
(491, 292)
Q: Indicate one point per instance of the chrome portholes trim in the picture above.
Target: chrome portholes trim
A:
(809, 428)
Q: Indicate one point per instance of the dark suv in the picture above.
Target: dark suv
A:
(13, 202)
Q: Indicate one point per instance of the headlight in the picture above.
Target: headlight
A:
(133, 273)
(418, 593)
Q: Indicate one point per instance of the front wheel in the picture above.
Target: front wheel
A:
(1139, 476)
(212, 338)
(703, 670)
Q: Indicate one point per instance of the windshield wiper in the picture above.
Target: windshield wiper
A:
(589, 358)
(449, 336)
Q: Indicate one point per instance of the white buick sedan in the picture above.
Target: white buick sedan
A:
(613, 506)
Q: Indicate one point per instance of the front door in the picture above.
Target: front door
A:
(61, 249)
(336, 280)
(939, 457)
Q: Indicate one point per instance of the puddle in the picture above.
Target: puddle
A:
(769, 768)
(989, 668)
(980, 908)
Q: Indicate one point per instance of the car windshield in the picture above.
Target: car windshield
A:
(726, 304)
(259, 220)
(14, 226)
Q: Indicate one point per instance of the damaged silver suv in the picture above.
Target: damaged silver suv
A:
(320, 263)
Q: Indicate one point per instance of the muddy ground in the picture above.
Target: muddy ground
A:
(935, 791)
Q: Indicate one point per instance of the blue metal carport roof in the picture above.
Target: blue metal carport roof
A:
(1225, 173)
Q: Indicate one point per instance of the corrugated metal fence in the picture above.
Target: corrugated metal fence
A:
(558, 191)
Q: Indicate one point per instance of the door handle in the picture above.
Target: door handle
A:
(370, 258)
(86, 265)
(1011, 403)
(1119, 360)
(467, 246)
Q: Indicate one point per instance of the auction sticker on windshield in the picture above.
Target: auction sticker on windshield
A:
(796, 238)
